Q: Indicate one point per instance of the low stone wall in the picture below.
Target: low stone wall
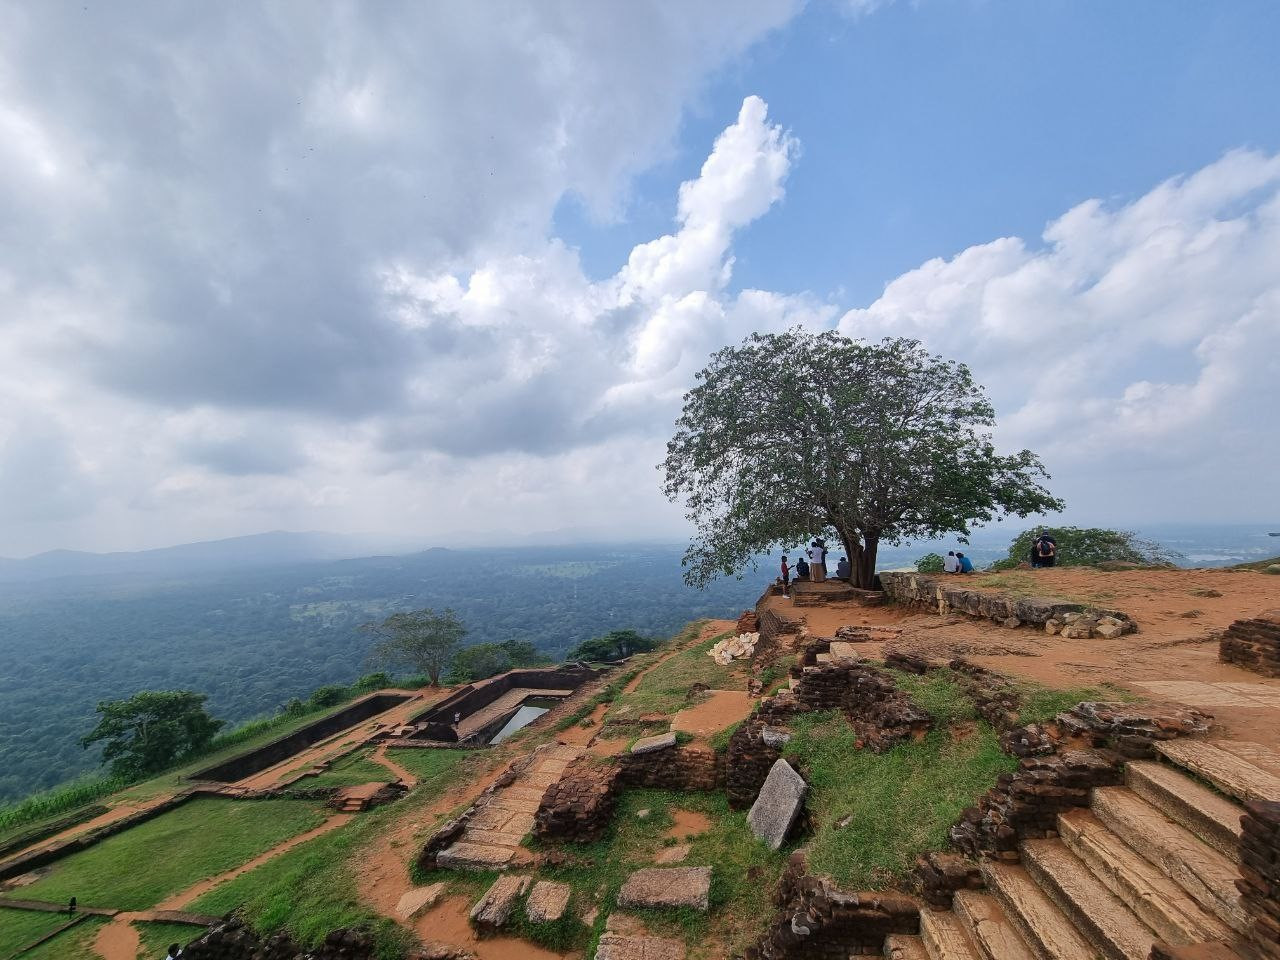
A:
(1259, 882)
(995, 698)
(940, 875)
(451, 830)
(579, 806)
(1253, 644)
(817, 921)
(232, 940)
(476, 696)
(748, 761)
(675, 768)
(1131, 729)
(945, 595)
(1025, 804)
(775, 625)
(36, 834)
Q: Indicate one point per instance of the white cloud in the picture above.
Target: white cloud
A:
(1141, 336)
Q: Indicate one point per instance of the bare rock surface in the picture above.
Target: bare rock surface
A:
(778, 806)
(495, 907)
(649, 744)
(615, 946)
(419, 899)
(547, 901)
(667, 887)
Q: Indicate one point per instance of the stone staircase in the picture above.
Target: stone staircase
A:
(1153, 860)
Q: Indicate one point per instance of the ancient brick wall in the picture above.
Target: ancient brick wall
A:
(676, 768)
(1253, 644)
(747, 763)
(817, 921)
(232, 940)
(1025, 804)
(940, 875)
(579, 806)
(1259, 882)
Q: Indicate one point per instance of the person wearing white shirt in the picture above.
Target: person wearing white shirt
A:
(949, 563)
(817, 562)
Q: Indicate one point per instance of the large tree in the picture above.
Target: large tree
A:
(151, 730)
(421, 640)
(795, 435)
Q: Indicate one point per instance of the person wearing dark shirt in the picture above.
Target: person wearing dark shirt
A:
(843, 570)
(786, 575)
(802, 568)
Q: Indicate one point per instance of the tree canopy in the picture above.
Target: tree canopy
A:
(794, 435)
(482, 660)
(612, 646)
(421, 640)
(151, 730)
(1088, 547)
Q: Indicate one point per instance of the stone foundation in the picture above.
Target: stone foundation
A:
(232, 940)
(675, 768)
(940, 875)
(817, 921)
(579, 806)
(1132, 729)
(1253, 644)
(944, 595)
(996, 699)
(1259, 882)
(747, 763)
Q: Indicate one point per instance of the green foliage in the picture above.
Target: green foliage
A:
(373, 681)
(73, 944)
(665, 688)
(875, 813)
(329, 695)
(420, 640)
(483, 660)
(1041, 704)
(138, 868)
(1088, 547)
(60, 800)
(156, 937)
(930, 563)
(616, 645)
(939, 695)
(794, 434)
(151, 731)
(350, 770)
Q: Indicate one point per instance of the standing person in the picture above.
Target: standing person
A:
(1046, 550)
(802, 568)
(949, 563)
(817, 566)
(966, 565)
(786, 576)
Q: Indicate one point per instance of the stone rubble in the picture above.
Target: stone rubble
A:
(729, 649)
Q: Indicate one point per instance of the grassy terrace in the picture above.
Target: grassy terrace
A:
(137, 869)
(354, 768)
(74, 944)
(20, 927)
(1021, 585)
(664, 687)
(313, 888)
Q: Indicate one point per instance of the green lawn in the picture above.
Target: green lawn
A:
(893, 805)
(665, 688)
(75, 944)
(352, 769)
(20, 927)
(311, 889)
(156, 937)
(138, 868)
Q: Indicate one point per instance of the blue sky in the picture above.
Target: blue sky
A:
(930, 126)
(449, 268)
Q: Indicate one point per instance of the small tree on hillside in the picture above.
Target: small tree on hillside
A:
(151, 730)
(612, 646)
(791, 435)
(422, 641)
(1090, 546)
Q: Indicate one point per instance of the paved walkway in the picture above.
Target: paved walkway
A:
(493, 834)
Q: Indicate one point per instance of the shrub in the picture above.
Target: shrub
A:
(1090, 546)
(329, 696)
(929, 563)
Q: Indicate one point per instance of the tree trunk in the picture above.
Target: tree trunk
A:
(853, 551)
(864, 570)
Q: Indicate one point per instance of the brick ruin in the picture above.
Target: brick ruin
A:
(232, 940)
(1259, 882)
(1253, 644)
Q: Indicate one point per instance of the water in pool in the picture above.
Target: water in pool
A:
(528, 712)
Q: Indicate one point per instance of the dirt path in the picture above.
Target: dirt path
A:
(119, 939)
(118, 812)
(447, 923)
(381, 758)
(184, 897)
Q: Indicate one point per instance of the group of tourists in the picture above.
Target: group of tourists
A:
(811, 565)
(956, 562)
(1044, 553)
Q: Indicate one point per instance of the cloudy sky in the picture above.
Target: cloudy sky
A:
(446, 269)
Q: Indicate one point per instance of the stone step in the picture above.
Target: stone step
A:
(1096, 912)
(1260, 755)
(1210, 816)
(1159, 902)
(1180, 855)
(474, 856)
(1231, 774)
(1045, 928)
(988, 928)
(944, 937)
(901, 946)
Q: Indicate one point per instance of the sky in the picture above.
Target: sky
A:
(446, 270)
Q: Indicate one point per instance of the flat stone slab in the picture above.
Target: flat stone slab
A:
(649, 744)
(843, 650)
(547, 901)
(677, 854)
(778, 806)
(475, 856)
(495, 907)
(667, 887)
(775, 736)
(419, 899)
(615, 946)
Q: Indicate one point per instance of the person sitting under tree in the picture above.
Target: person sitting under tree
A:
(966, 565)
(802, 568)
(843, 570)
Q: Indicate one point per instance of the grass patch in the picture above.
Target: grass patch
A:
(50, 805)
(1041, 704)
(74, 944)
(895, 805)
(20, 927)
(137, 869)
(156, 937)
(312, 888)
(352, 769)
(938, 693)
(665, 688)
